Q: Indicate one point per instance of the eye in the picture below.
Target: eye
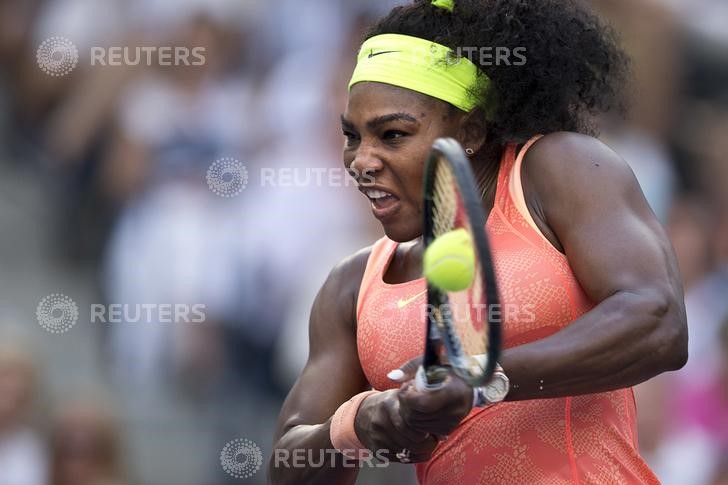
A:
(350, 136)
(394, 134)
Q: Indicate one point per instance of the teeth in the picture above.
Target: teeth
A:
(376, 194)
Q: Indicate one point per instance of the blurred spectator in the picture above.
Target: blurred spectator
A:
(703, 402)
(678, 451)
(695, 442)
(22, 454)
(642, 139)
(173, 239)
(85, 447)
(691, 227)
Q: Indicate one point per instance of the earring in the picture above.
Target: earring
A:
(469, 151)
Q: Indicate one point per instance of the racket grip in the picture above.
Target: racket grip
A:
(422, 384)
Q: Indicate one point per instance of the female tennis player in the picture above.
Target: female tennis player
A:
(589, 280)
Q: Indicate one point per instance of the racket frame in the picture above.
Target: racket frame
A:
(443, 339)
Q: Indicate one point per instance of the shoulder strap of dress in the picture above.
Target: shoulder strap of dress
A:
(378, 257)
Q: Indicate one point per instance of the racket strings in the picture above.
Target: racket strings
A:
(445, 200)
(466, 308)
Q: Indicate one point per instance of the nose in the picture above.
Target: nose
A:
(365, 163)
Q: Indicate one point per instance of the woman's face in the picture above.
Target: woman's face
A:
(389, 132)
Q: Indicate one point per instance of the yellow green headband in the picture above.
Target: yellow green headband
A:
(420, 65)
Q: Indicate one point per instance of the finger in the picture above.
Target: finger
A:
(453, 394)
(438, 423)
(400, 426)
(391, 435)
(436, 412)
(406, 371)
(422, 401)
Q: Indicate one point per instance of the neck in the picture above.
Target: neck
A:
(486, 175)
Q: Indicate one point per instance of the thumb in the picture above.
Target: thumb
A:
(406, 371)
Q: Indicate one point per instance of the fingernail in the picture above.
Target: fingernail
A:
(396, 375)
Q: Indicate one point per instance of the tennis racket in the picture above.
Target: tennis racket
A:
(463, 328)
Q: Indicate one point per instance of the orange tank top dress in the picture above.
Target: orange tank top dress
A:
(581, 439)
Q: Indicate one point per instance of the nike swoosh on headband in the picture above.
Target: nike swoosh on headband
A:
(372, 54)
(420, 65)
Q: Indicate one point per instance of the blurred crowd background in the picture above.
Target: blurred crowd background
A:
(103, 198)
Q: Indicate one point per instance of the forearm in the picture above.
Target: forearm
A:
(626, 339)
(315, 441)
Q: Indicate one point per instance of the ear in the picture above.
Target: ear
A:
(473, 130)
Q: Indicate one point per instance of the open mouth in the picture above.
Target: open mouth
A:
(380, 199)
(384, 203)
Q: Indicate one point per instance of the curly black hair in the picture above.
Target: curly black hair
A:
(574, 67)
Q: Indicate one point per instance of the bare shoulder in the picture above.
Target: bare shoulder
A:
(341, 289)
(348, 273)
(571, 180)
(567, 158)
(566, 172)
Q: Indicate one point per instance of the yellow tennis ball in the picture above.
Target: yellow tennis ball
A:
(449, 262)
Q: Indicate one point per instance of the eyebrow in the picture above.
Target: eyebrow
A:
(380, 120)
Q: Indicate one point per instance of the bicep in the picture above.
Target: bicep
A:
(622, 250)
(332, 373)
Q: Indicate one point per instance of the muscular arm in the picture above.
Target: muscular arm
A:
(589, 204)
(331, 376)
